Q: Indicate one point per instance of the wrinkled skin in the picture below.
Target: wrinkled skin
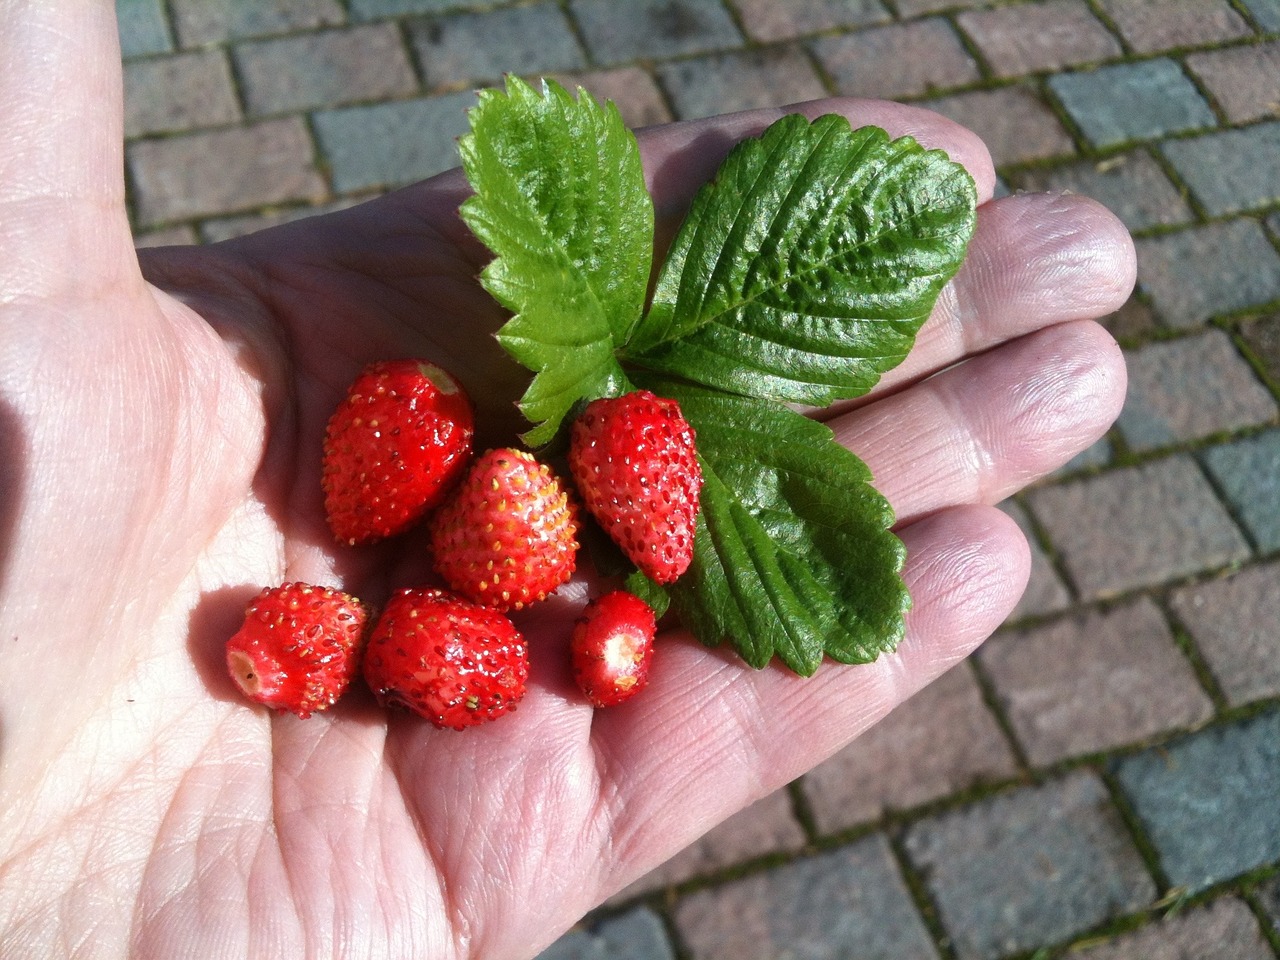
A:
(160, 425)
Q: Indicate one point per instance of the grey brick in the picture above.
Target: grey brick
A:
(1202, 272)
(480, 47)
(324, 68)
(1013, 122)
(180, 92)
(166, 237)
(767, 826)
(635, 935)
(1223, 928)
(1030, 867)
(942, 740)
(227, 228)
(1039, 36)
(1099, 454)
(911, 8)
(1045, 591)
(1134, 319)
(1262, 334)
(200, 22)
(741, 80)
(1269, 896)
(1093, 681)
(1131, 185)
(848, 902)
(1153, 25)
(653, 28)
(1232, 170)
(1210, 802)
(143, 27)
(769, 20)
(1244, 80)
(902, 60)
(1132, 101)
(1190, 388)
(377, 9)
(390, 144)
(1266, 12)
(1235, 621)
(1248, 473)
(632, 90)
(1138, 526)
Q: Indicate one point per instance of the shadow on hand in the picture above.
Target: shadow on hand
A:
(214, 619)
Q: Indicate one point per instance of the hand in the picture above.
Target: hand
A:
(159, 461)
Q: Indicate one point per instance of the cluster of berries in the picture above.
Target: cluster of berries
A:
(503, 531)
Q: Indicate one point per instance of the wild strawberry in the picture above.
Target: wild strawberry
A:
(505, 538)
(453, 662)
(299, 647)
(393, 448)
(634, 462)
(612, 647)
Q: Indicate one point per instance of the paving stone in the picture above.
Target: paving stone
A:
(1266, 12)
(633, 91)
(143, 27)
(200, 22)
(1235, 622)
(1132, 101)
(1149, 26)
(1029, 867)
(1202, 272)
(1210, 803)
(1045, 591)
(847, 902)
(1232, 170)
(481, 47)
(166, 237)
(228, 228)
(222, 171)
(1190, 388)
(376, 9)
(1134, 319)
(324, 68)
(1130, 185)
(1269, 897)
(942, 740)
(653, 28)
(1244, 80)
(903, 60)
(741, 80)
(1224, 928)
(635, 935)
(1099, 454)
(1137, 526)
(1035, 37)
(911, 8)
(1013, 122)
(389, 144)
(1094, 681)
(177, 93)
(767, 826)
(1248, 473)
(769, 20)
(1262, 334)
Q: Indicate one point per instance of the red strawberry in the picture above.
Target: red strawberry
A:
(506, 537)
(634, 461)
(393, 448)
(453, 662)
(299, 647)
(612, 648)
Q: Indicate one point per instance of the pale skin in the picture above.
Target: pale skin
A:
(160, 425)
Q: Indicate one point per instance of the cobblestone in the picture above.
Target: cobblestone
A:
(1138, 526)
(1134, 319)
(200, 22)
(1150, 26)
(1231, 170)
(1244, 80)
(1132, 101)
(849, 902)
(911, 8)
(1248, 473)
(1223, 928)
(1262, 334)
(635, 935)
(326, 68)
(942, 740)
(1035, 37)
(143, 27)
(1013, 122)
(1266, 12)
(653, 28)
(1029, 867)
(632, 90)
(1190, 388)
(1211, 801)
(902, 60)
(1045, 591)
(705, 86)
(1269, 896)
(178, 93)
(166, 236)
(768, 20)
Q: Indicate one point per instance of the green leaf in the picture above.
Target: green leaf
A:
(654, 594)
(560, 200)
(805, 268)
(793, 555)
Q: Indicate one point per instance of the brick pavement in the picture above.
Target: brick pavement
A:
(1101, 780)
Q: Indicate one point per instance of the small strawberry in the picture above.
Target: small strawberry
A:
(612, 647)
(505, 538)
(393, 448)
(299, 647)
(634, 462)
(455, 663)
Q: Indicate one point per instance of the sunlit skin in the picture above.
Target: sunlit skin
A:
(161, 420)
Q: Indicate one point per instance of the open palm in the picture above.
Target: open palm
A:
(159, 462)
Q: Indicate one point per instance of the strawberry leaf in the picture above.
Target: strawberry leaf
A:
(805, 268)
(793, 555)
(560, 200)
